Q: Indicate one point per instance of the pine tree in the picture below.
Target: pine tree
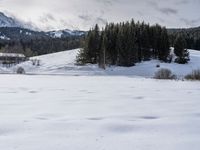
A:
(181, 51)
(102, 52)
(119, 46)
(164, 46)
(125, 44)
(96, 43)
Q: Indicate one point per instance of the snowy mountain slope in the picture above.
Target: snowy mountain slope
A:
(3, 37)
(16, 33)
(65, 33)
(14, 29)
(64, 63)
(6, 21)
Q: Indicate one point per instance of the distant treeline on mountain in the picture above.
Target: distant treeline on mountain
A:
(191, 35)
(31, 43)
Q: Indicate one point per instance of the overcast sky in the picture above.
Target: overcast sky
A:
(83, 14)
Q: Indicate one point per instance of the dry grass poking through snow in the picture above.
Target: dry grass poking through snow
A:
(164, 74)
(195, 75)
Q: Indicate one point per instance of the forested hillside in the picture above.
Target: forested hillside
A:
(127, 43)
(31, 43)
(191, 35)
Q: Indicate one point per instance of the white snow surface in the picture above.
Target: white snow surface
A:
(60, 33)
(56, 34)
(64, 63)
(62, 106)
(43, 112)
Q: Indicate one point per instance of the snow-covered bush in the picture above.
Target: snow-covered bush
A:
(164, 74)
(20, 70)
(195, 75)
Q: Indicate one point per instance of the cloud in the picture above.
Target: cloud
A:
(140, 13)
(164, 10)
(84, 14)
(100, 20)
(190, 22)
(107, 2)
(85, 17)
(168, 11)
(152, 3)
(182, 2)
(160, 19)
(47, 18)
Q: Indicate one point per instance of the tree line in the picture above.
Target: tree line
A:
(191, 36)
(126, 43)
(40, 46)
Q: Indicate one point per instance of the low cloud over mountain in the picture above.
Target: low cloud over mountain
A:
(78, 14)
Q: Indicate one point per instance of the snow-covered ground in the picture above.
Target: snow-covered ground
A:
(61, 106)
(45, 112)
(64, 63)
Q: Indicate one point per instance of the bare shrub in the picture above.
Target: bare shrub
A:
(20, 70)
(38, 62)
(35, 62)
(164, 74)
(195, 75)
(158, 66)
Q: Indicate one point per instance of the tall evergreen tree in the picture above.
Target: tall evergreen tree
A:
(102, 52)
(180, 50)
(164, 45)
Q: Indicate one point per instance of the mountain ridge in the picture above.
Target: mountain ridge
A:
(6, 21)
(9, 24)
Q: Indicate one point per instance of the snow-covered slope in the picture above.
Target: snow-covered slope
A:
(8, 21)
(59, 63)
(3, 37)
(65, 63)
(65, 33)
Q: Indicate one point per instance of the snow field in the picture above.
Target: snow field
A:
(98, 112)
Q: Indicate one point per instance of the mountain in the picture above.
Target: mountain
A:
(188, 30)
(13, 29)
(18, 33)
(65, 33)
(19, 37)
(6, 21)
